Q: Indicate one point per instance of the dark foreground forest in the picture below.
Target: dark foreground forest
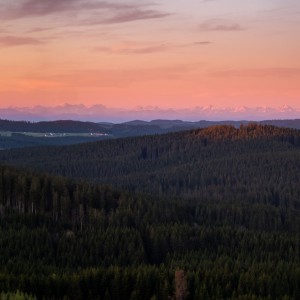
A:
(202, 214)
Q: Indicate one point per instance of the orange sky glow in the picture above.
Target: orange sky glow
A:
(171, 54)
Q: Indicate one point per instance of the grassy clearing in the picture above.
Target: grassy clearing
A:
(50, 135)
(5, 133)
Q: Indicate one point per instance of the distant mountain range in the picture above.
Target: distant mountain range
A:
(131, 128)
(100, 112)
(16, 134)
(170, 125)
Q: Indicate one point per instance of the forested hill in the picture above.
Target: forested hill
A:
(128, 128)
(61, 239)
(176, 163)
(19, 134)
(216, 216)
(250, 131)
(51, 126)
(219, 218)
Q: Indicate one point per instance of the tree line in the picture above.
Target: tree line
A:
(191, 215)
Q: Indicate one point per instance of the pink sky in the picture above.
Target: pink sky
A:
(171, 54)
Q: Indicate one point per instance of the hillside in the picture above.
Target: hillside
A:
(176, 163)
(18, 134)
(66, 240)
(51, 126)
(215, 210)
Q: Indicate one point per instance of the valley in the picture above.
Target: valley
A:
(124, 218)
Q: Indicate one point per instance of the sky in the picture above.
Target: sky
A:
(176, 54)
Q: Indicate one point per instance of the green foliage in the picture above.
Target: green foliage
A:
(218, 218)
(50, 126)
(16, 296)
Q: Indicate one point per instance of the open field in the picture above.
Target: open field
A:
(52, 135)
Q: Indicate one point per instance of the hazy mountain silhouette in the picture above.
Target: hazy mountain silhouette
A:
(97, 113)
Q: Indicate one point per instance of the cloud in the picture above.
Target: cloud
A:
(9, 41)
(134, 50)
(220, 25)
(147, 49)
(259, 72)
(39, 29)
(102, 113)
(112, 5)
(133, 15)
(125, 77)
(31, 8)
(125, 16)
(3, 30)
(105, 12)
(202, 43)
(116, 78)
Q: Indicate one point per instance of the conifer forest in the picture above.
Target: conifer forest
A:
(210, 213)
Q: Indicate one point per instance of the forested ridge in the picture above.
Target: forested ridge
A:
(51, 126)
(202, 214)
(19, 134)
(177, 164)
(17, 140)
(80, 126)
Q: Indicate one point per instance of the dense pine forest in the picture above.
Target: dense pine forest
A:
(19, 134)
(203, 214)
(51, 126)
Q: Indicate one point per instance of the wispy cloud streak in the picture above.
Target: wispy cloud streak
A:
(220, 25)
(133, 50)
(259, 72)
(106, 12)
(147, 49)
(10, 41)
